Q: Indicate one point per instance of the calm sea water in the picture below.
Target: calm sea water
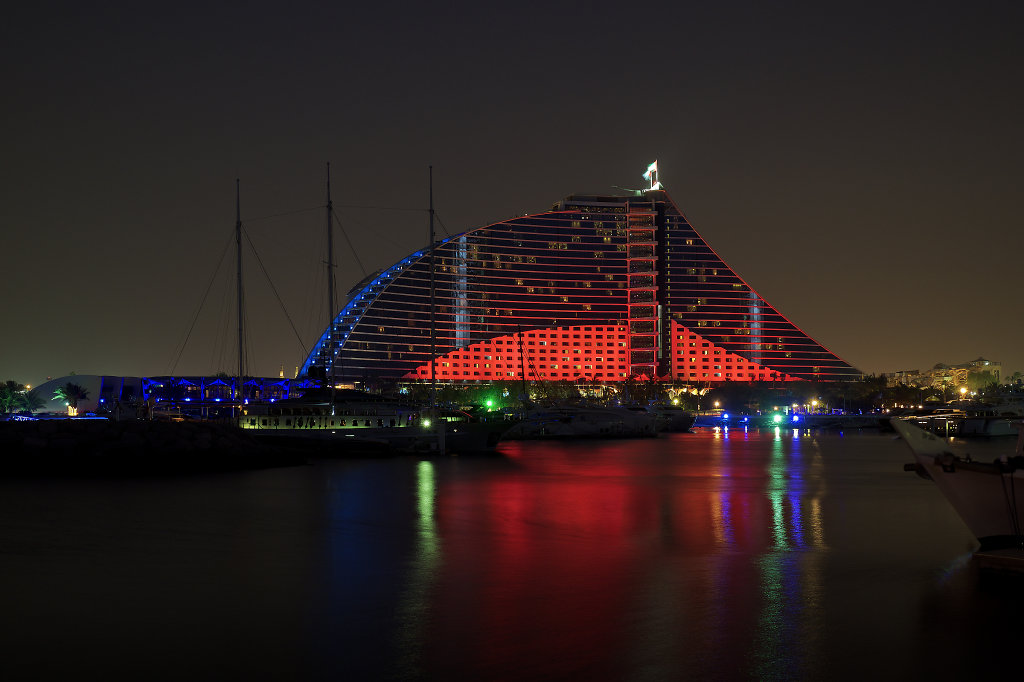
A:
(746, 555)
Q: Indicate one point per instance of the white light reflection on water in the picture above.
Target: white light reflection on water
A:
(709, 555)
(791, 610)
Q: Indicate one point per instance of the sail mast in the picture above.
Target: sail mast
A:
(433, 334)
(238, 242)
(330, 276)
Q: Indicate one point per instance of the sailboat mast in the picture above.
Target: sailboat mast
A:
(433, 334)
(330, 275)
(522, 362)
(238, 242)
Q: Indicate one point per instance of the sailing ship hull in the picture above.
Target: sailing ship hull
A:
(355, 425)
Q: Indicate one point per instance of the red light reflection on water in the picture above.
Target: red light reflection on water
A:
(610, 553)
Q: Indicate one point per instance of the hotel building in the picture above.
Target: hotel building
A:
(598, 288)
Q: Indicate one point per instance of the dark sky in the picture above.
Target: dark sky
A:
(859, 164)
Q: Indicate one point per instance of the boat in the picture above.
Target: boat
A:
(988, 496)
(335, 422)
(672, 418)
(346, 421)
(980, 425)
(583, 422)
(326, 414)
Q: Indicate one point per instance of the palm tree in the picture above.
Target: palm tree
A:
(71, 394)
(30, 401)
(10, 391)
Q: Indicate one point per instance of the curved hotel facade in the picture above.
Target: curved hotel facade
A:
(599, 288)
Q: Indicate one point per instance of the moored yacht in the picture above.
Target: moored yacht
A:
(988, 496)
(584, 422)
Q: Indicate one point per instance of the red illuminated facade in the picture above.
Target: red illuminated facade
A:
(599, 288)
(593, 353)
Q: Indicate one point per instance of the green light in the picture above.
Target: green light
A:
(426, 423)
(777, 418)
(490, 404)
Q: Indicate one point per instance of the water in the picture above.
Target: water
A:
(759, 555)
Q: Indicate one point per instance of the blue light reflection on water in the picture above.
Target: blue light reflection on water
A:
(790, 613)
(742, 553)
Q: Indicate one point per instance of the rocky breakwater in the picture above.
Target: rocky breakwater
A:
(84, 447)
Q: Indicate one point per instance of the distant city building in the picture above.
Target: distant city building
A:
(904, 377)
(599, 289)
(948, 375)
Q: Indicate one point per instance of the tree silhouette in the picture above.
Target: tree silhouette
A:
(71, 393)
(30, 401)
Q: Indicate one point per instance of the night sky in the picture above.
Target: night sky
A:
(859, 164)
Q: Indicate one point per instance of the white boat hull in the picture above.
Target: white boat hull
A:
(988, 496)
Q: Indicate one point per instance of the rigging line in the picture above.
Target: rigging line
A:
(274, 289)
(286, 213)
(247, 357)
(188, 334)
(352, 248)
(443, 226)
(219, 349)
